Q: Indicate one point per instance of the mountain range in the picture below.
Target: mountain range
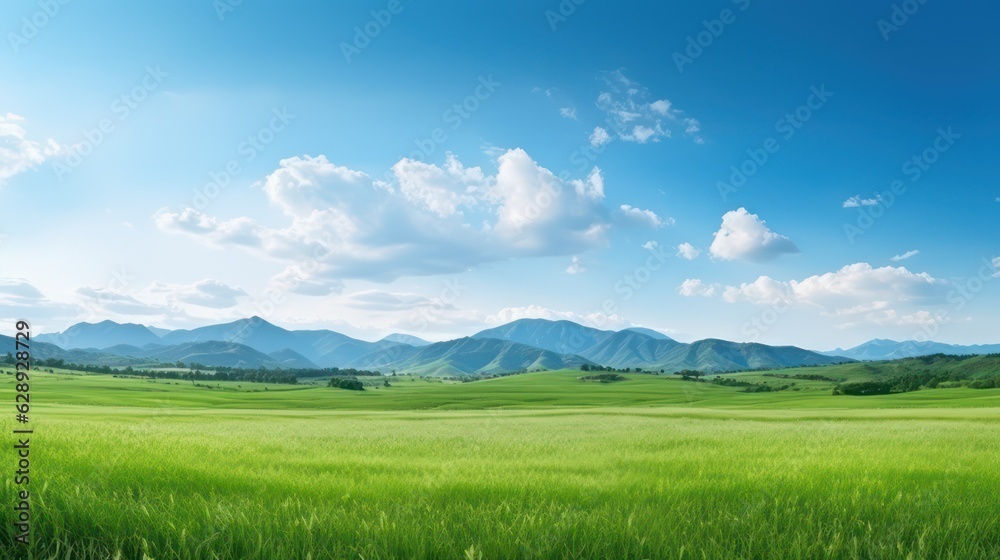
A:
(882, 349)
(525, 344)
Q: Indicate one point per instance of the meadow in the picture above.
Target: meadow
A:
(539, 465)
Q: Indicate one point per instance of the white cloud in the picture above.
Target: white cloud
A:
(642, 217)
(596, 320)
(904, 256)
(599, 137)
(440, 190)
(19, 299)
(661, 107)
(432, 220)
(104, 303)
(744, 236)
(205, 293)
(857, 202)
(568, 112)
(377, 300)
(576, 266)
(17, 153)
(859, 309)
(762, 291)
(687, 251)
(852, 285)
(650, 245)
(694, 287)
(636, 116)
(890, 317)
(641, 134)
(187, 304)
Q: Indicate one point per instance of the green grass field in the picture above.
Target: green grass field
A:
(538, 465)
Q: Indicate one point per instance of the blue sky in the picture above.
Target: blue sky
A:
(440, 168)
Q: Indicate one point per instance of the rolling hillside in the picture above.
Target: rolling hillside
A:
(534, 344)
(472, 356)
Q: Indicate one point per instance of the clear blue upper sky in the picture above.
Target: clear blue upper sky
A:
(435, 168)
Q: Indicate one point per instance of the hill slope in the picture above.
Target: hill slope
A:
(637, 348)
(474, 356)
(564, 337)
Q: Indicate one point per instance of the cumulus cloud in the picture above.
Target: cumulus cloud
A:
(642, 217)
(745, 237)
(905, 256)
(597, 320)
(661, 107)
(857, 202)
(205, 293)
(599, 137)
(650, 245)
(641, 134)
(17, 153)
(687, 251)
(428, 220)
(576, 266)
(636, 116)
(568, 112)
(845, 289)
(694, 287)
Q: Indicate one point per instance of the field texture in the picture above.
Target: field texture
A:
(531, 466)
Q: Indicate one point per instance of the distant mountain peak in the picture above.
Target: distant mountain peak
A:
(406, 339)
(885, 349)
(649, 332)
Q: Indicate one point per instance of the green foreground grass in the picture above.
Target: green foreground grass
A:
(531, 466)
